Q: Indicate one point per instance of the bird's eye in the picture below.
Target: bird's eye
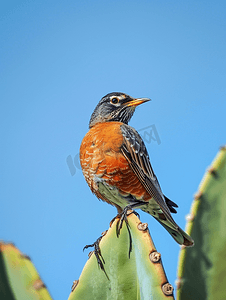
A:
(114, 100)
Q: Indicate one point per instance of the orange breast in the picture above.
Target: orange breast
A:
(100, 155)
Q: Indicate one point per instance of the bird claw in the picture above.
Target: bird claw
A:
(97, 252)
(123, 217)
(95, 244)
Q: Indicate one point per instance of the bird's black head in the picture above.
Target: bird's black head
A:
(115, 106)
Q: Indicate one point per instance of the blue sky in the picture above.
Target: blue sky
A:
(57, 59)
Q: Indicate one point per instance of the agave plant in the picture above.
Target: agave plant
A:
(19, 279)
(202, 269)
(139, 275)
(133, 270)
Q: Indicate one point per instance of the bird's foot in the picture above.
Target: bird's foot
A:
(123, 217)
(97, 252)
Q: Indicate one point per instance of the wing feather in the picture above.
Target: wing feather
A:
(134, 150)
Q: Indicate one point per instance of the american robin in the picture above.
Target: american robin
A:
(116, 165)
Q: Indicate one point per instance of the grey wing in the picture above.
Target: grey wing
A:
(133, 148)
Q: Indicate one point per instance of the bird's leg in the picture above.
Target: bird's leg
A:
(124, 215)
(97, 252)
(119, 226)
(125, 212)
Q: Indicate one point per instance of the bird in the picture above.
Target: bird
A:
(117, 167)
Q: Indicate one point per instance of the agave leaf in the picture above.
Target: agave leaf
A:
(202, 269)
(19, 279)
(139, 277)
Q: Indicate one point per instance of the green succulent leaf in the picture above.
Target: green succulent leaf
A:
(202, 269)
(139, 277)
(19, 279)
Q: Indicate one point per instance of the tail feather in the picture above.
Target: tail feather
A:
(178, 235)
(188, 241)
(171, 205)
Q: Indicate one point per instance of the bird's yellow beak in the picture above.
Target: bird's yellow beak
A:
(136, 102)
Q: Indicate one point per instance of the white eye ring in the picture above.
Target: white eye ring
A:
(114, 100)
